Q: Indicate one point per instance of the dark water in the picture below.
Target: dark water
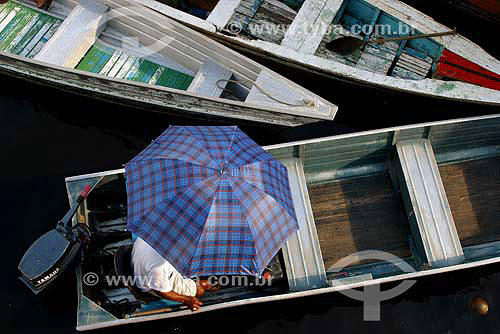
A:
(47, 135)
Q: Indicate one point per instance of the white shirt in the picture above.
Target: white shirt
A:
(153, 272)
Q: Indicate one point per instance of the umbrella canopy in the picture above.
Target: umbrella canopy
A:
(210, 201)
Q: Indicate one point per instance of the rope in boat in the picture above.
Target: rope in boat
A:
(305, 102)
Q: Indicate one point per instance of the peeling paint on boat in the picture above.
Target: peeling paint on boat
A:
(445, 86)
(337, 70)
(462, 92)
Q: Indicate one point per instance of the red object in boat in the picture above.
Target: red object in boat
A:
(490, 6)
(457, 67)
(86, 191)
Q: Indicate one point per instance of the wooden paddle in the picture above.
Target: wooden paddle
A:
(348, 44)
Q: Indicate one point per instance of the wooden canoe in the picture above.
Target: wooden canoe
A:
(425, 194)
(448, 67)
(135, 56)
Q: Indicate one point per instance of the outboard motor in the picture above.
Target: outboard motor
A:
(48, 256)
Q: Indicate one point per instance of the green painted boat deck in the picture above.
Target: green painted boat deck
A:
(114, 63)
(23, 30)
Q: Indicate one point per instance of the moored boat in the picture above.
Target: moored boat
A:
(133, 55)
(297, 33)
(425, 194)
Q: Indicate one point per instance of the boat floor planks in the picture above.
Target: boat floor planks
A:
(348, 221)
(472, 188)
(118, 64)
(23, 30)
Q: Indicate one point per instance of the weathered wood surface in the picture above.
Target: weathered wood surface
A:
(265, 20)
(456, 67)
(359, 214)
(350, 59)
(24, 31)
(473, 191)
(427, 25)
(146, 96)
(272, 20)
(378, 58)
(311, 23)
(455, 90)
(210, 79)
(191, 49)
(436, 88)
(222, 13)
(274, 88)
(178, 44)
(412, 67)
(76, 35)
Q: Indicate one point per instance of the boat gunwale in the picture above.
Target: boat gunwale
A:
(291, 295)
(377, 131)
(327, 68)
(290, 118)
(320, 140)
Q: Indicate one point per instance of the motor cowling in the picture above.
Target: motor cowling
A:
(54, 251)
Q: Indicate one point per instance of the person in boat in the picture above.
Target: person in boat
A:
(158, 277)
(42, 4)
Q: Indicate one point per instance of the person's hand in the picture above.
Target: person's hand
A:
(193, 303)
(207, 287)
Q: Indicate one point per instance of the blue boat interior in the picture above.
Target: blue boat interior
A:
(413, 59)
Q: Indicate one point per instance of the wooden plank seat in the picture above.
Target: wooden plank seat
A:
(76, 35)
(315, 15)
(302, 253)
(221, 15)
(211, 79)
(416, 171)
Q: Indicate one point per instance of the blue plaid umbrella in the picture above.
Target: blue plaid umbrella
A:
(210, 201)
